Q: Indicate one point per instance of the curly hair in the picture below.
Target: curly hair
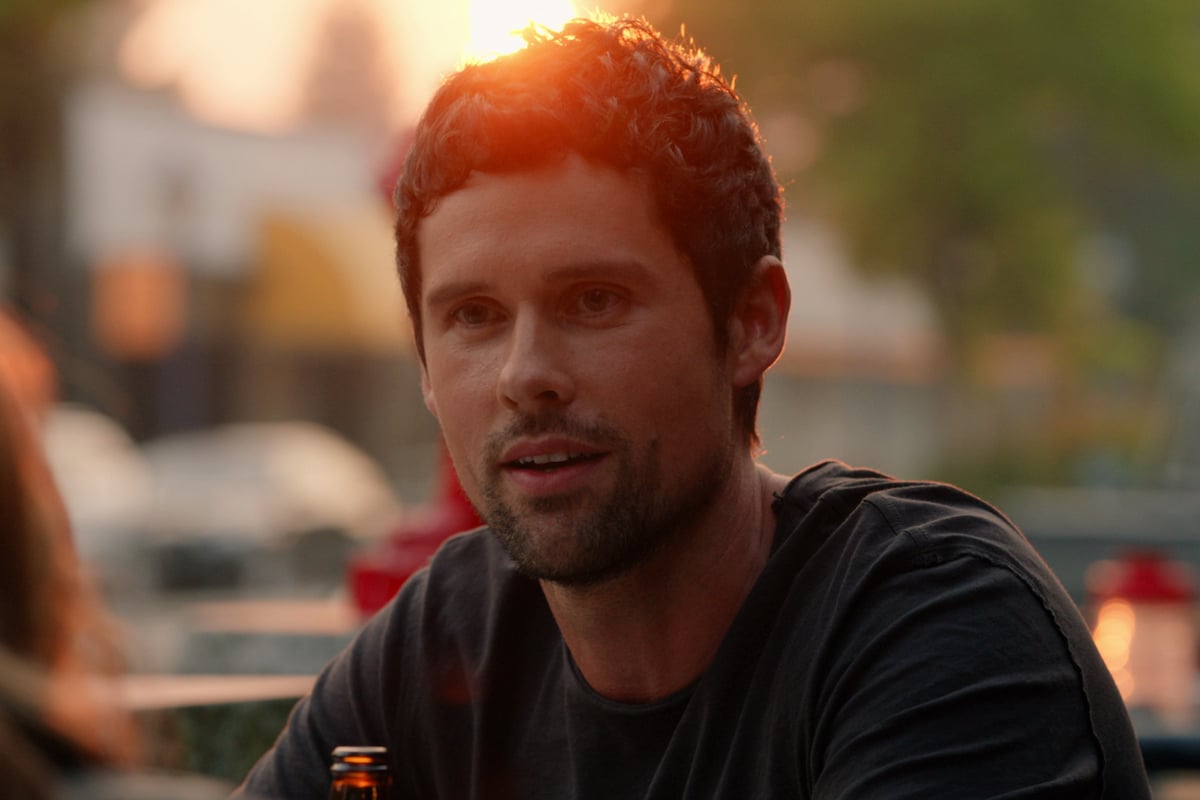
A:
(618, 93)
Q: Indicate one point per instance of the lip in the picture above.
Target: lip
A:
(559, 480)
(533, 448)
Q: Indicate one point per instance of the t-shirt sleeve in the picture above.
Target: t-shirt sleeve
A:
(957, 679)
(345, 706)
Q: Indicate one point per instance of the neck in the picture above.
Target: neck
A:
(650, 632)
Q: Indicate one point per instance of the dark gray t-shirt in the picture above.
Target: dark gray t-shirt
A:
(903, 641)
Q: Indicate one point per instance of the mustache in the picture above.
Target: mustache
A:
(595, 432)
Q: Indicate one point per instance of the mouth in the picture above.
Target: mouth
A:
(552, 465)
(548, 462)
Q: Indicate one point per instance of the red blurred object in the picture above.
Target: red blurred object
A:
(377, 572)
(1141, 576)
(1146, 632)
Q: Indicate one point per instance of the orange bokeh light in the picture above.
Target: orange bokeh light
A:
(1113, 635)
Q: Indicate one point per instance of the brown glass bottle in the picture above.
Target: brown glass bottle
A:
(360, 773)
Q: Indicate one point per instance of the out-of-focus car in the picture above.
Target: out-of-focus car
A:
(256, 506)
(104, 481)
(375, 573)
(267, 504)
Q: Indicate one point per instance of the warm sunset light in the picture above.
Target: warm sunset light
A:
(495, 25)
(233, 63)
(246, 65)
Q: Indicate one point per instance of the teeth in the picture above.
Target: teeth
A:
(549, 458)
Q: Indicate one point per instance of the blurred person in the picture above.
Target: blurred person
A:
(63, 735)
(24, 366)
(588, 240)
(49, 622)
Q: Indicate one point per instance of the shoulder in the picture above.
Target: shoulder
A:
(471, 570)
(918, 599)
(421, 658)
(904, 503)
(448, 605)
(864, 534)
(919, 520)
(468, 594)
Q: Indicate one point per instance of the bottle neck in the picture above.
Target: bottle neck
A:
(359, 773)
(357, 787)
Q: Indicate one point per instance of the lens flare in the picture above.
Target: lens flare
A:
(494, 26)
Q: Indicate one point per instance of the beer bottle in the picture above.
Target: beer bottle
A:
(360, 773)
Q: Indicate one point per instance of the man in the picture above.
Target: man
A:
(588, 238)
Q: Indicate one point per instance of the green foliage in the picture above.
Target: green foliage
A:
(1094, 442)
(951, 137)
(26, 14)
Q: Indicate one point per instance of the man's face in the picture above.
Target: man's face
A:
(572, 365)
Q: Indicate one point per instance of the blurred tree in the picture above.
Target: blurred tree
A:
(34, 68)
(949, 140)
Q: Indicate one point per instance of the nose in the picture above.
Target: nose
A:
(536, 369)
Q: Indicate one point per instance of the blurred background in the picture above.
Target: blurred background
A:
(991, 233)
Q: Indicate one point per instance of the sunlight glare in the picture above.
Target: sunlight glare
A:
(495, 25)
(243, 65)
(233, 63)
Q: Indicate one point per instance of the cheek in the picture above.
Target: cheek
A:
(464, 468)
(694, 387)
(459, 390)
(669, 382)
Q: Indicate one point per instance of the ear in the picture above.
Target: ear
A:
(758, 327)
(427, 391)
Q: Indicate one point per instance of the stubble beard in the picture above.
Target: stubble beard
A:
(585, 538)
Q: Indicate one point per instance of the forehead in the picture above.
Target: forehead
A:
(567, 213)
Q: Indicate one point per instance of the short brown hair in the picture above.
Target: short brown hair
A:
(615, 92)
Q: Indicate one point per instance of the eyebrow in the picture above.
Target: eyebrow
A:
(628, 269)
(450, 292)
